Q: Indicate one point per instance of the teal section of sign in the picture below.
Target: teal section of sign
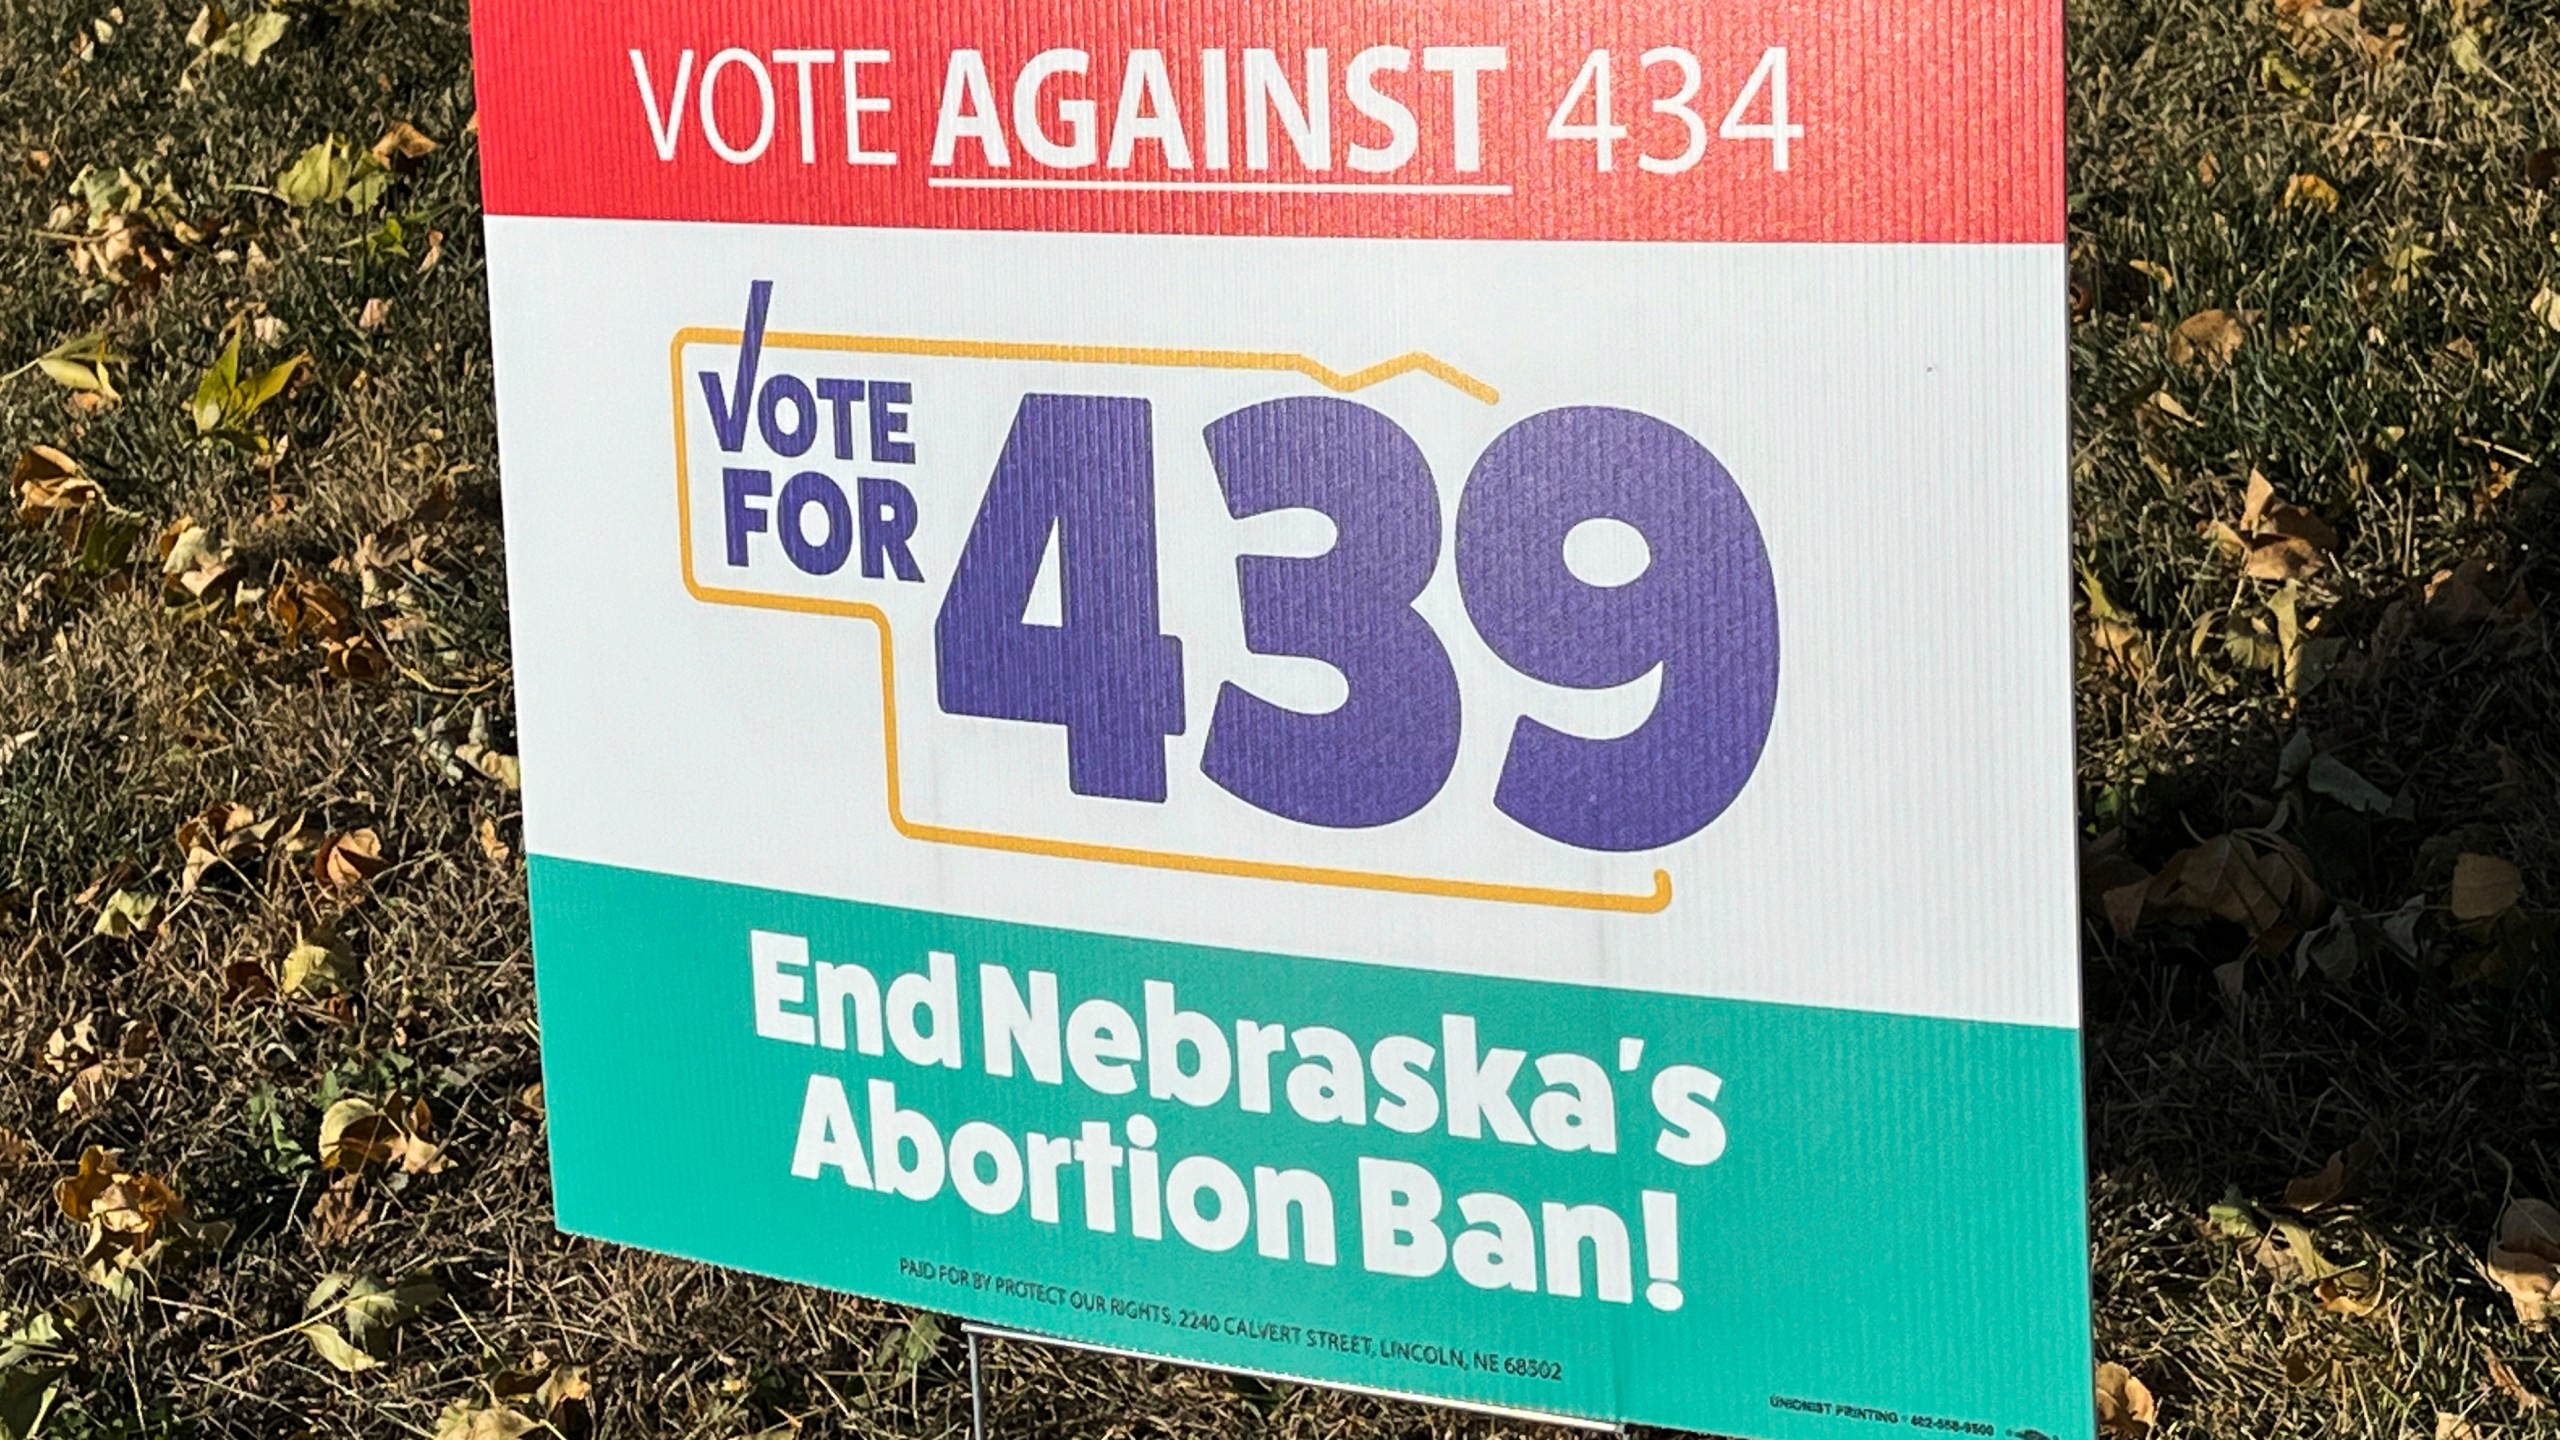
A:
(1892, 1242)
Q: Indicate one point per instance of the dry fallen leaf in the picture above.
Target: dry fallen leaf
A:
(557, 1393)
(93, 1067)
(355, 658)
(2476, 593)
(224, 833)
(2310, 192)
(48, 483)
(2337, 1182)
(377, 313)
(2275, 540)
(2354, 1293)
(304, 606)
(2125, 1406)
(318, 966)
(2115, 631)
(356, 1134)
(132, 1219)
(192, 567)
(2280, 558)
(490, 845)
(346, 861)
(2291, 1256)
(2545, 307)
(505, 769)
(114, 877)
(2207, 339)
(54, 495)
(128, 914)
(2450, 1426)
(403, 141)
(2233, 1217)
(2254, 879)
(340, 1214)
(2484, 887)
(2525, 1259)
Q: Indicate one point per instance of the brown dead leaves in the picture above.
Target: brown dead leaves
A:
(319, 967)
(2340, 1182)
(477, 752)
(122, 230)
(129, 915)
(403, 141)
(2290, 1254)
(2255, 879)
(388, 559)
(2207, 340)
(2275, 540)
(306, 607)
(555, 1395)
(2524, 1260)
(2283, 1243)
(224, 835)
(119, 247)
(348, 862)
(2354, 1293)
(227, 837)
(463, 1420)
(2488, 910)
(2285, 1247)
(2485, 887)
(55, 495)
(2310, 22)
(2477, 594)
(2309, 192)
(50, 486)
(2126, 1410)
(2115, 633)
(132, 1220)
(92, 1066)
(357, 1135)
(192, 566)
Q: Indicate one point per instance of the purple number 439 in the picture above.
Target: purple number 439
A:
(1703, 612)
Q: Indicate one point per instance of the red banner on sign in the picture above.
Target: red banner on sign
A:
(1761, 120)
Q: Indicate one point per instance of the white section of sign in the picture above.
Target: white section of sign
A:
(1895, 414)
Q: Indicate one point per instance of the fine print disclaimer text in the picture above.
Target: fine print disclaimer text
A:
(1282, 1333)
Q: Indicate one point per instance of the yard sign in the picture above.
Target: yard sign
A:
(1377, 692)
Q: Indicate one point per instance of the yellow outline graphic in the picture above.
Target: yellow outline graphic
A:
(1653, 903)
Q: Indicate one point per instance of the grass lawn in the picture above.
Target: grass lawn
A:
(262, 926)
